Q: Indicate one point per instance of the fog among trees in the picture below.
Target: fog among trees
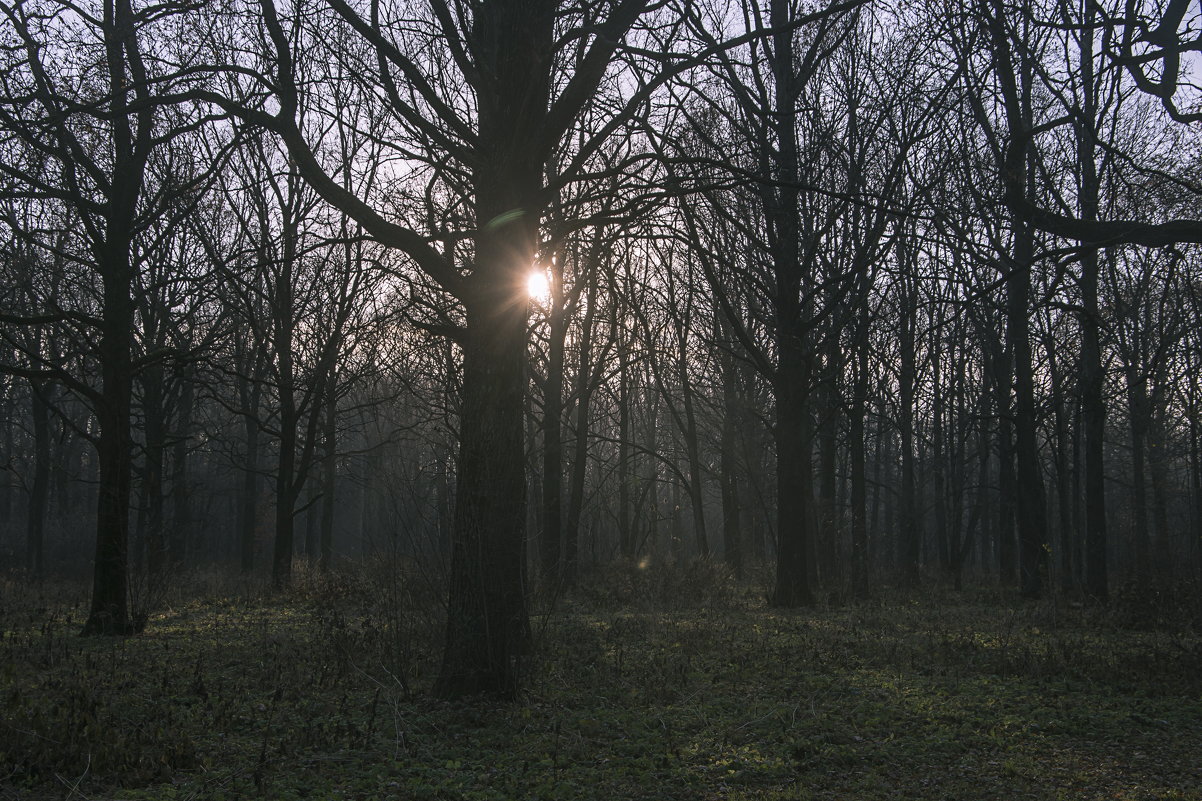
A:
(512, 297)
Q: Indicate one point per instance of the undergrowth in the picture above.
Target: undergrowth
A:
(647, 683)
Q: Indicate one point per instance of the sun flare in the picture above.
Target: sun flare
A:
(538, 287)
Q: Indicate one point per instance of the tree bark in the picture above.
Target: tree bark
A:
(794, 463)
(109, 612)
(551, 543)
(153, 413)
(35, 519)
(728, 468)
(249, 501)
(329, 473)
(908, 530)
(1030, 509)
(626, 544)
(181, 495)
(487, 625)
(1137, 411)
(585, 384)
(857, 417)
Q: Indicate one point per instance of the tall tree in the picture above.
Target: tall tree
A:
(84, 107)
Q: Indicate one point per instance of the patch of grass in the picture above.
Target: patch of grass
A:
(663, 687)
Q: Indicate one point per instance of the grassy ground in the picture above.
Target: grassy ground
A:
(665, 686)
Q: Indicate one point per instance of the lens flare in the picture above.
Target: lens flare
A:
(538, 287)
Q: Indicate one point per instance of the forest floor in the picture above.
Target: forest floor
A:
(653, 685)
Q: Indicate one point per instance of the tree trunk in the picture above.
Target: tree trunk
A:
(1195, 450)
(794, 464)
(1064, 497)
(285, 478)
(7, 415)
(693, 453)
(153, 413)
(828, 527)
(585, 384)
(1093, 404)
(249, 501)
(626, 543)
(283, 328)
(794, 480)
(1158, 471)
(1007, 556)
(109, 613)
(329, 468)
(1138, 415)
(908, 530)
(312, 524)
(487, 626)
(285, 502)
(857, 416)
(487, 623)
(181, 496)
(940, 454)
(1030, 508)
(35, 520)
(728, 467)
(550, 546)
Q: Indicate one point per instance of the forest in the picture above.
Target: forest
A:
(557, 399)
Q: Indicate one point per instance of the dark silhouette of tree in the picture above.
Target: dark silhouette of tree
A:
(83, 115)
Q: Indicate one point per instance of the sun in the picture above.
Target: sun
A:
(538, 287)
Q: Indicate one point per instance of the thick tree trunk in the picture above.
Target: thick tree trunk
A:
(997, 372)
(1017, 171)
(1030, 505)
(794, 463)
(1091, 379)
(794, 482)
(487, 624)
(109, 613)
